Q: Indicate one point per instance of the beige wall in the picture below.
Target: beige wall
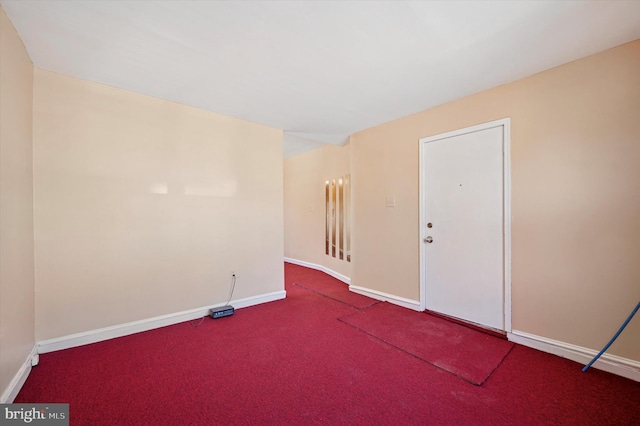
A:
(143, 206)
(17, 298)
(575, 158)
(304, 204)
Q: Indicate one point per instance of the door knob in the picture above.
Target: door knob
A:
(429, 239)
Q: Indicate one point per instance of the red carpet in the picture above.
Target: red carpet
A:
(466, 353)
(332, 288)
(291, 362)
(340, 294)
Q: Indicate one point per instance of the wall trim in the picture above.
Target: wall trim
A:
(10, 393)
(324, 269)
(611, 363)
(106, 333)
(386, 297)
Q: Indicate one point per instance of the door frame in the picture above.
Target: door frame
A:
(505, 123)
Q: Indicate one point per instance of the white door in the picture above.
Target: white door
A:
(463, 225)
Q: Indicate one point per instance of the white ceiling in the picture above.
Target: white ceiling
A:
(320, 70)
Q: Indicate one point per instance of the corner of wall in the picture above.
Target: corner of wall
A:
(17, 281)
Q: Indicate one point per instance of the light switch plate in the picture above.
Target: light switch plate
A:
(390, 201)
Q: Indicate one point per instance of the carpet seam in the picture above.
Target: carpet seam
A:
(332, 298)
(499, 363)
(416, 356)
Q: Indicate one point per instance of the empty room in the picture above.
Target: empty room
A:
(319, 212)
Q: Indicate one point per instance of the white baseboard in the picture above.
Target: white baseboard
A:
(18, 380)
(611, 363)
(324, 269)
(378, 295)
(385, 297)
(120, 330)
